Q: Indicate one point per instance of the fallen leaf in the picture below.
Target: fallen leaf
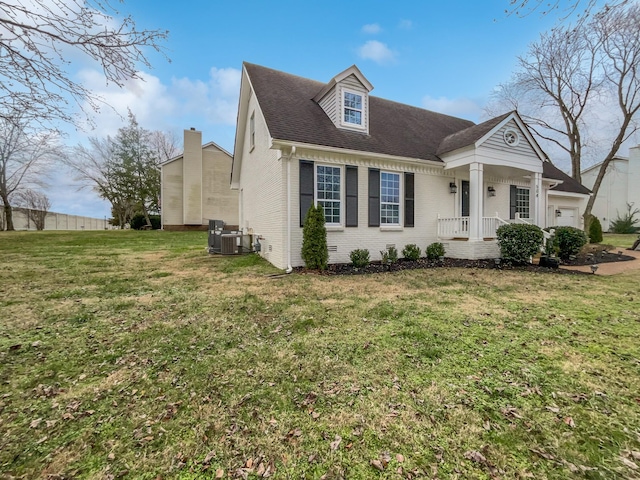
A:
(209, 457)
(553, 409)
(336, 443)
(219, 473)
(35, 423)
(475, 456)
(569, 421)
(399, 458)
(377, 464)
(111, 456)
(635, 454)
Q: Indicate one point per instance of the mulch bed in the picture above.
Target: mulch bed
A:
(586, 258)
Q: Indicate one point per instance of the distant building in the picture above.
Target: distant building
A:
(620, 187)
(196, 186)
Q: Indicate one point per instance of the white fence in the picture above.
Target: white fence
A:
(55, 221)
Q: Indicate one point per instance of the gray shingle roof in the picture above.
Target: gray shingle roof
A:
(549, 170)
(470, 135)
(395, 129)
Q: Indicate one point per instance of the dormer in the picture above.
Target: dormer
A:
(345, 100)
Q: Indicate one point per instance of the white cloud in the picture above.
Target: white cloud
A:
(376, 51)
(405, 24)
(458, 107)
(371, 28)
(216, 99)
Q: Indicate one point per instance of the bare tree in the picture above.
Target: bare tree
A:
(566, 8)
(25, 156)
(37, 37)
(125, 170)
(37, 205)
(571, 75)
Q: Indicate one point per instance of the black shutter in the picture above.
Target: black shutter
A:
(513, 201)
(351, 196)
(409, 195)
(374, 197)
(306, 188)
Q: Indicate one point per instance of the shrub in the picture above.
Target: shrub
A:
(314, 239)
(359, 257)
(435, 251)
(569, 241)
(595, 230)
(626, 223)
(390, 255)
(411, 252)
(519, 241)
(138, 221)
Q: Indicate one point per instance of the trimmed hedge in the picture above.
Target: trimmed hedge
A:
(569, 241)
(411, 252)
(390, 255)
(435, 251)
(359, 257)
(519, 241)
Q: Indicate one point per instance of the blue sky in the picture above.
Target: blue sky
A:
(445, 56)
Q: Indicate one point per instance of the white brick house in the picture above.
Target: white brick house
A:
(385, 173)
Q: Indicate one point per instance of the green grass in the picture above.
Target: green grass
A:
(619, 239)
(138, 355)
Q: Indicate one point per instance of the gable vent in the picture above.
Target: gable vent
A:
(332, 248)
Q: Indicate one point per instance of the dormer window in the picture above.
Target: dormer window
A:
(345, 100)
(352, 108)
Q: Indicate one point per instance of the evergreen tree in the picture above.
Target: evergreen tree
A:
(314, 239)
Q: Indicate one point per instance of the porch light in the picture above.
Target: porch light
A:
(453, 188)
(491, 191)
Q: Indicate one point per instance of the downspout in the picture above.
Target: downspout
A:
(289, 267)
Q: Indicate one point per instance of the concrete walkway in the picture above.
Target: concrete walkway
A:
(612, 268)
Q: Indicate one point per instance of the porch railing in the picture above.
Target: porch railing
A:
(458, 227)
(453, 227)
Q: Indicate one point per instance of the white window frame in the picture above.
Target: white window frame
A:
(398, 203)
(252, 131)
(362, 110)
(340, 200)
(520, 207)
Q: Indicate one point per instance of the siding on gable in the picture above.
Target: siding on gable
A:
(218, 200)
(496, 142)
(330, 106)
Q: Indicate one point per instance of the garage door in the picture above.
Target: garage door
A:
(567, 217)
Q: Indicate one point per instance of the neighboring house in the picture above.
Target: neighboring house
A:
(620, 187)
(385, 173)
(195, 186)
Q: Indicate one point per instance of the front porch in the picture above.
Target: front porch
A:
(455, 234)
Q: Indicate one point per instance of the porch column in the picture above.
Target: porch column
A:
(536, 199)
(476, 198)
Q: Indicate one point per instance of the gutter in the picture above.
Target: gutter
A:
(290, 156)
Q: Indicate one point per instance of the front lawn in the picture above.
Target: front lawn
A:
(138, 355)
